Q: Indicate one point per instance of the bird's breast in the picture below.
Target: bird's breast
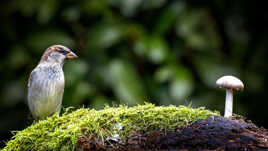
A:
(48, 82)
(46, 91)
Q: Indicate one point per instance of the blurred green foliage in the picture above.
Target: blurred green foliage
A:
(131, 51)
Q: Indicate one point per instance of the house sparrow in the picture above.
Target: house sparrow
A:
(46, 82)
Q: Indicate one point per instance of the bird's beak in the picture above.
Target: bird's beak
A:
(71, 55)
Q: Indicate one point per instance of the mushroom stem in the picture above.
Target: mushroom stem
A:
(228, 103)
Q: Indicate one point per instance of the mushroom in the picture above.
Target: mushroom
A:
(229, 83)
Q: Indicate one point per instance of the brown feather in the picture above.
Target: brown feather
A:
(49, 50)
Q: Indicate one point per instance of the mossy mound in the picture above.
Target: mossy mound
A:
(62, 133)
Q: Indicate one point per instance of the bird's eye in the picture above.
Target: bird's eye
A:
(62, 51)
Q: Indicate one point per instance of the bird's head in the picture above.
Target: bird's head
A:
(57, 54)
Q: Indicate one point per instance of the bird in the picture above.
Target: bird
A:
(46, 82)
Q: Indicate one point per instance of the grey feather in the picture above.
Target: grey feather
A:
(45, 91)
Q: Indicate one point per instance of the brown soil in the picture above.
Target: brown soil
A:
(212, 134)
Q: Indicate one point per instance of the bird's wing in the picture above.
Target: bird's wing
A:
(33, 73)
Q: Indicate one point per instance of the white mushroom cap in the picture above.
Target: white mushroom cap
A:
(230, 82)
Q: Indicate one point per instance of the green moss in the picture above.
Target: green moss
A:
(61, 133)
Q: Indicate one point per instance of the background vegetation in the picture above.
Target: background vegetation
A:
(131, 51)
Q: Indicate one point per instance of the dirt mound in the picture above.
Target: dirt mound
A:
(215, 133)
